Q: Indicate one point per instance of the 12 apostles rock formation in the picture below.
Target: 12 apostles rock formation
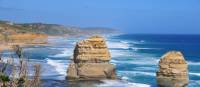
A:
(173, 70)
(91, 61)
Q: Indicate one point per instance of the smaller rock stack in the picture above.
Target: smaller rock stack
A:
(91, 61)
(173, 70)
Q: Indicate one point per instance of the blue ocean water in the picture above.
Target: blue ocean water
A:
(135, 56)
(139, 64)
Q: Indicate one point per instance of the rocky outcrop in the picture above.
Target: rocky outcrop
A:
(91, 61)
(173, 70)
(92, 50)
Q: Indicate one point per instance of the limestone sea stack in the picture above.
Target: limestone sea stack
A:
(173, 70)
(91, 61)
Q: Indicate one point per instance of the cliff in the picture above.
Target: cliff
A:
(50, 29)
(28, 38)
(173, 70)
(91, 61)
(23, 39)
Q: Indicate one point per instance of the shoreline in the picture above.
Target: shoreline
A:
(136, 61)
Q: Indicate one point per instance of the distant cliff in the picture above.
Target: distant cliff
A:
(50, 29)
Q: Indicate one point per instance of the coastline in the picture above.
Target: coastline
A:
(143, 62)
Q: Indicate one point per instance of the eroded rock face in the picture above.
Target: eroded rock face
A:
(28, 38)
(173, 70)
(91, 61)
(92, 50)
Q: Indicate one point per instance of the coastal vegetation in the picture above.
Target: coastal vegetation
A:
(14, 74)
(8, 28)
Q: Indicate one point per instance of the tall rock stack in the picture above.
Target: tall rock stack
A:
(173, 70)
(91, 61)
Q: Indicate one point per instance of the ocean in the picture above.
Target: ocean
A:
(136, 58)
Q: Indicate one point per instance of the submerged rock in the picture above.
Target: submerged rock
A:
(173, 70)
(91, 61)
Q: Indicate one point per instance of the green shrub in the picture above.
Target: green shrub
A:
(4, 78)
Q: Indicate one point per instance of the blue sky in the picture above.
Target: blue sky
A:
(133, 16)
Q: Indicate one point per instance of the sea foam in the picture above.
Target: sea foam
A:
(194, 83)
(136, 73)
(66, 52)
(112, 44)
(121, 53)
(137, 61)
(195, 74)
(59, 65)
(144, 68)
(193, 63)
(137, 48)
(118, 83)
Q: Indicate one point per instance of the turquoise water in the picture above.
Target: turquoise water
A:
(135, 56)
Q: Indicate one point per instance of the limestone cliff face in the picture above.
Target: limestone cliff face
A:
(91, 50)
(173, 70)
(28, 38)
(91, 60)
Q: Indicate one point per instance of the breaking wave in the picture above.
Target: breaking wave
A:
(122, 45)
(118, 83)
(65, 53)
(59, 65)
(193, 63)
(195, 74)
(135, 73)
(137, 62)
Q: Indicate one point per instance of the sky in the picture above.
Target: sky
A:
(130, 16)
